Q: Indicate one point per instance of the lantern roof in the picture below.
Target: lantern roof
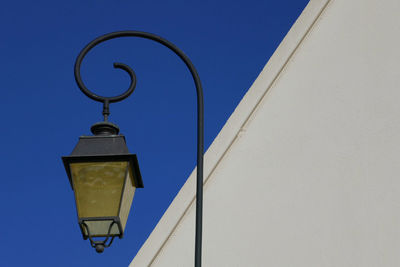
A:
(105, 145)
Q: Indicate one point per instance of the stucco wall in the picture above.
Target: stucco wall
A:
(307, 170)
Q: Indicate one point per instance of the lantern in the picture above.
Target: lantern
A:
(104, 177)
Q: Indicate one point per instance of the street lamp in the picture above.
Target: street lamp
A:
(104, 177)
(102, 172)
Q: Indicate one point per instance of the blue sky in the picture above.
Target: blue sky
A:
(44, 113)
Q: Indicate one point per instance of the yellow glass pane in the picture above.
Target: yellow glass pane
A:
(98, 187)
(129, 192)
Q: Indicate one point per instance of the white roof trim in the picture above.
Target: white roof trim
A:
(186, 196)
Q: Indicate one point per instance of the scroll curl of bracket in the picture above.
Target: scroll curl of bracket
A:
(125, 67)
(117, 65)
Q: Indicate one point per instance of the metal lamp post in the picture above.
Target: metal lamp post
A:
(102, 172)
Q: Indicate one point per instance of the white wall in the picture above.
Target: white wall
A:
(306, 172)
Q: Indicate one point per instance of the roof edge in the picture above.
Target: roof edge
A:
(224, 140)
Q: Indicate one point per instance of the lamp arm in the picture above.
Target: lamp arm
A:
(200, 110)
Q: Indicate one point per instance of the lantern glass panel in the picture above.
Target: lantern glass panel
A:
(98, 187)
(100, 228)
(129, 192)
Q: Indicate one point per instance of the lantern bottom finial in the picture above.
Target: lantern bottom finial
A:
(99, 248)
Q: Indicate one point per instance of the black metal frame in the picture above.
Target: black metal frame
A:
(99, 245)
(114, 219)
(200, 111)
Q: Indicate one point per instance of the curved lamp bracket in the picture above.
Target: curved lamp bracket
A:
(131, 73)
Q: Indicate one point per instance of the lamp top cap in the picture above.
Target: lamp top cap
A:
(104, 128)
